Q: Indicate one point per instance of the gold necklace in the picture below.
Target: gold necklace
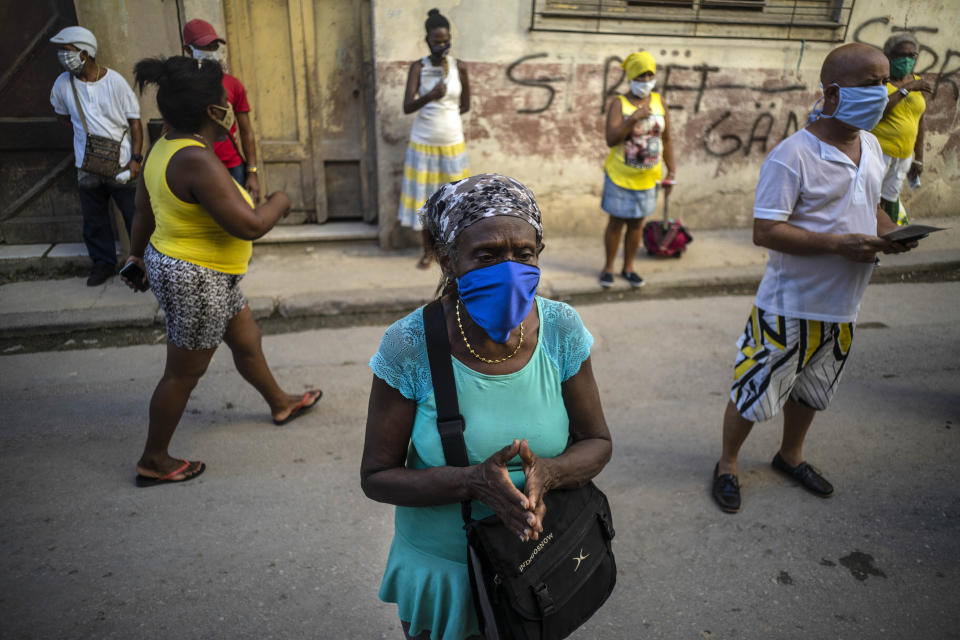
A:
(477, 355)
(200, 138)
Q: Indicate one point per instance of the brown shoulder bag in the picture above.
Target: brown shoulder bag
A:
(101, 154)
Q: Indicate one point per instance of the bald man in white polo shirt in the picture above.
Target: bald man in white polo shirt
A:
(817, 210)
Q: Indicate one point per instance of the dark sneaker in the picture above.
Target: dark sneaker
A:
(805, 475)
(606, 279)
(726, 491)
(100, 273)
(633, 278)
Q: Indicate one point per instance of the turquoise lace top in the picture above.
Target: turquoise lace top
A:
(426, 573)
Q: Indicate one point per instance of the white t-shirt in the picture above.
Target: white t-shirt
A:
(815, 186)
(107, 104)
(438, 122)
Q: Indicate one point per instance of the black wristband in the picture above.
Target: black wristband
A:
(137, 157)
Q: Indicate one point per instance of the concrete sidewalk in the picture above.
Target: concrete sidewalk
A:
(324, 280)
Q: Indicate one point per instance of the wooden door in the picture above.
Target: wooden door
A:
(265, 41)
(38, 195)
(307, 66)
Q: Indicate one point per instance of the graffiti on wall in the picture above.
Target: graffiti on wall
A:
(700, 87)
(729, 131)
(542, 82)
(722, 137)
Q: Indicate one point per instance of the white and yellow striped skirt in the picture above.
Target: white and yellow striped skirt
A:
(425, 169)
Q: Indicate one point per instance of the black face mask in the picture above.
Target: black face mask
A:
(439, 51)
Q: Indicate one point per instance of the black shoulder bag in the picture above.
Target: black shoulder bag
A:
(537, 590)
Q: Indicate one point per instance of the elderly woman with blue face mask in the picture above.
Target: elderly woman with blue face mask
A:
(638, 133)
(526, 391)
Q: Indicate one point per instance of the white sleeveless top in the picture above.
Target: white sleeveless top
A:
(438, 122)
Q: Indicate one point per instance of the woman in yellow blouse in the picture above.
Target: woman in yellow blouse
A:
(638, 134)
(900, 132)
(191, 239)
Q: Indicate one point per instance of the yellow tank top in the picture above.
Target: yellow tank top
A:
(185, 230)
(897, 132)
(636, 163)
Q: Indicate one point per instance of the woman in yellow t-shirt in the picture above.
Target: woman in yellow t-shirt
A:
(638, 134)
(191, 241)
(900, 132)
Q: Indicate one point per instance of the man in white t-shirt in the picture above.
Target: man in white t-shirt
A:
(109, 109)
(817, 210)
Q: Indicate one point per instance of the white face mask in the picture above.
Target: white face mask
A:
(70, 60)
(642, 89)
(200, 54)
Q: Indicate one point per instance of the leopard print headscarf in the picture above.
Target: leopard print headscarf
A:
(457, 205)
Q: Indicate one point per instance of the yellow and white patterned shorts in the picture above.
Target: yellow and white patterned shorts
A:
(780, 357)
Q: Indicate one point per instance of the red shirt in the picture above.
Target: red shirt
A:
(237, 97)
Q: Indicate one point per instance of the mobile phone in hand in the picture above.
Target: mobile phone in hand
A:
(134, 274)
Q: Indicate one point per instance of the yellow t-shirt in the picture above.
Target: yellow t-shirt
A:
(897, 132)
(636, 163)
(185, 230)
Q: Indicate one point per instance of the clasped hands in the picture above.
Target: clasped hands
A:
(521, 512)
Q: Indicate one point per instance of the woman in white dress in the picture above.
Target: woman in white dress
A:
(438, 91)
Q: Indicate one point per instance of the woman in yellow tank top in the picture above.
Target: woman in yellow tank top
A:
(900, 132)
(191, 242)
(638, 134)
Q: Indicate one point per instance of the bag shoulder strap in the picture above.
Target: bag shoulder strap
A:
(450, 423)
(83, 118)
(76, 99)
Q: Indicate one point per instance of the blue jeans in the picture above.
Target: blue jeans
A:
(95, 193)
(239, 174)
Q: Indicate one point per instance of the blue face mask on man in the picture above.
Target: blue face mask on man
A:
(860, 107)
(500, 296)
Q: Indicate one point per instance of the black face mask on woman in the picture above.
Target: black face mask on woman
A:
(439, 51)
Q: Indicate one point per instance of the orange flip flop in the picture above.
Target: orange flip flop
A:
(149, 481)
(301, 408)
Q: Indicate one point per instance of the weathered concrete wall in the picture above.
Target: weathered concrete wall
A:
(128, 30)
(538, 100)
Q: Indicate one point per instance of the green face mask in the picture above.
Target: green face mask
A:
(900, 67)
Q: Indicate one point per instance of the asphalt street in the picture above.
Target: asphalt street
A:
(276, 539)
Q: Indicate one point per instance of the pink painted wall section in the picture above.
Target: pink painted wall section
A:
(540, 119)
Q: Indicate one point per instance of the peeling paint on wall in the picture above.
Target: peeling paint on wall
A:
(542, 122)
(538, 107)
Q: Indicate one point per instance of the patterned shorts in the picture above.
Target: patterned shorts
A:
(780, 358)
(198, 302)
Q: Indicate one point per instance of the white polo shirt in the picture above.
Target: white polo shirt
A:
(107, 104)
(815, 186)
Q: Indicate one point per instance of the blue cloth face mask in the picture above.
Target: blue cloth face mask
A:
(500, 296)
(860, 107)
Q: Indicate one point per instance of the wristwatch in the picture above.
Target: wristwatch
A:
(137, 157)
(251, 169)
(903, 92)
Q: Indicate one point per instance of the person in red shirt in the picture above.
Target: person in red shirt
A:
(200, 41)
